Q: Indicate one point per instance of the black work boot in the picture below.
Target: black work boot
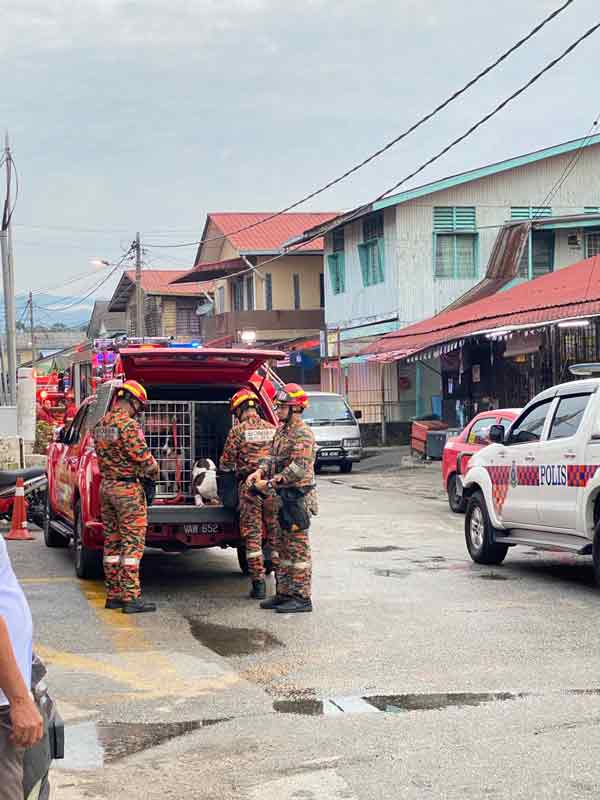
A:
(295, 605)
(114, 602)
(259, 590)
(273, 602)
(137, 606)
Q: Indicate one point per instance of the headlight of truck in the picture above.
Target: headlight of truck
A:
(350, 444)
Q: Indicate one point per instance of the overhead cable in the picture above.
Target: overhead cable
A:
(444, 104)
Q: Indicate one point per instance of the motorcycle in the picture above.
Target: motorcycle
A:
(35, 487)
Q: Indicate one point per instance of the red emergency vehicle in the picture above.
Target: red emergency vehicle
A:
(188, 419)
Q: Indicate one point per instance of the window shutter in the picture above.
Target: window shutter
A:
(379, 275)
(363, 255)
(530, 212)
(443, 219)
(444, 256)
(341, 271)
(454, 218)
(464, 218)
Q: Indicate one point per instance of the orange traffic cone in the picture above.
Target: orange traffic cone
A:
(18, 528)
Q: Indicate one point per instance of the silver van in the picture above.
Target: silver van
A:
(336, 430)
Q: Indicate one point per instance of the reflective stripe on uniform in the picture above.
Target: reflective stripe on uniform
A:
(254, 554)
(299, 564)
(130, 561)
(285, 563)
(111, 559)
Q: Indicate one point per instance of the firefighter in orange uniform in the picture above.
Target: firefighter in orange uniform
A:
(247, 443)
(124, 459)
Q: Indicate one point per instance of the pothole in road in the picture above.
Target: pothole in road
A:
(91, 745)
(232, 641)
(492, 576)
(392, 703)
(388, 548)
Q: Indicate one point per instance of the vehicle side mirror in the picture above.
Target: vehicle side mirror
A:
(497, 434)
(358, 414)
(59, 435)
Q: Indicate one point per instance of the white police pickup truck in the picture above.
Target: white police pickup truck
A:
(538, 483)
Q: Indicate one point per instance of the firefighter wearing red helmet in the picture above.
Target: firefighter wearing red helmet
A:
(289, 472)
(124, 460)
(247, 443)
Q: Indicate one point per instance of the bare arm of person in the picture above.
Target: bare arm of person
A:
(27, 723)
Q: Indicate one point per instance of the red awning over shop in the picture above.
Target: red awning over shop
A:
(565, 294)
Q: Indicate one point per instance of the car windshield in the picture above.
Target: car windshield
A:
(324, 408)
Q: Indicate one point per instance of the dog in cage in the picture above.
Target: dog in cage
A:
(204, 482)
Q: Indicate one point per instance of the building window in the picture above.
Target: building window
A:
(338, 242)
(592, 244)
(372, 251)
(221, 300)
(238, 295)
(321, 290)
(456, 249)
(538, 255)
(268, 291)
(337, 272)
(250, 293)
(296, 282)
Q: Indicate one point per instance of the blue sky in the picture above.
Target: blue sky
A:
(128, 115)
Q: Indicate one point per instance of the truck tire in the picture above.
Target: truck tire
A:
(52, 538)
(88, 563)
(242, 560)
(479, 534)
(456, 503)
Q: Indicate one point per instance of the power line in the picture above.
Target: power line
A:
(350, 216)
(80, 300)
(444, 104)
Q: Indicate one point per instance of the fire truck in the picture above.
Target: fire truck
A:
(188, 419)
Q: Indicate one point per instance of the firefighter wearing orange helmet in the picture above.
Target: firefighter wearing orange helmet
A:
(247, 443)
(288, 472)
(124, 461)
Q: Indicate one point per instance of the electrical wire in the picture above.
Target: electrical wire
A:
(444, 104)
(351, 215)
(71, 280)
(80, 300)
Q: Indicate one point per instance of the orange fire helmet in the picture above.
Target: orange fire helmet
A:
(135, 390)
(292, 394)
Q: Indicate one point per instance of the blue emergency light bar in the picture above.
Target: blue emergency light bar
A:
(186, 345)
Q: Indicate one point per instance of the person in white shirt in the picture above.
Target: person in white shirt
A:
(21, 724)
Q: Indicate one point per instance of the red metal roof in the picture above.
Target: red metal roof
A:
(270, 235)
(158, 281)
(570, 292)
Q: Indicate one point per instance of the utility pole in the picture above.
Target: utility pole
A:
(31, 328)
(139, 294)
(9, 283)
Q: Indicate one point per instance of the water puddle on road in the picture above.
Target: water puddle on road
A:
(91, 745)
(392, 573)
(392, 703)
(232, 641)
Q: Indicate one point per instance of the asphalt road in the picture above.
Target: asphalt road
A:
(479, 682)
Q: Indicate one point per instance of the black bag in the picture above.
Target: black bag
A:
(227, 488)
(149, 487)
(293, 511)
